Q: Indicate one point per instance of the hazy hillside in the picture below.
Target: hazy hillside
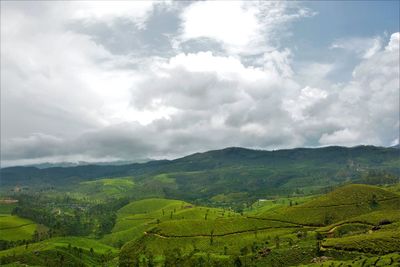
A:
(253, 173)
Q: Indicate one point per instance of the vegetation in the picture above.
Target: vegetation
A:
(232, 207)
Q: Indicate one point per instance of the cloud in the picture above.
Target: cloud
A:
(108, 11)
(369, 103)
(362, 47)
(68, 94)
(340, 137)
(394, 42)
(241, 27)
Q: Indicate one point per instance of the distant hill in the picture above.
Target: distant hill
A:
(46, 165)
(254, 173)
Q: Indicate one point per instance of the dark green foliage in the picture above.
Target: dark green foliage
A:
(254, 173)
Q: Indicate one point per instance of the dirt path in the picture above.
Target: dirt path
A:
(217, 235)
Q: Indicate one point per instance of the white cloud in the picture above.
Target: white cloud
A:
(363, 47)
(64, 96)
(241, 27)
(394, 43)
(369, 103)
(307, 98)
(340, 137)
(232, 24)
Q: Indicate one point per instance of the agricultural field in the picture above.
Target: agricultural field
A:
(291, 234)
(13, 228)
(107, 188)
(287, 230)
(62, 251)
(138, 216)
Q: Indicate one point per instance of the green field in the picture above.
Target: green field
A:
(65, 251)
(290, 232)
(107, 188)
(343, 203)
(353, 225)
(7, 208)
(14, 228)
(140, 216)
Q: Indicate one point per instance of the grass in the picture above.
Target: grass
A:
(14, 228)
(140, 216)
(7, 208)
(344, 203)
(392, 259)
(65, 251)
(262, 206)
(219, 226)
(164, 178)
(378, 242)
(108, 188)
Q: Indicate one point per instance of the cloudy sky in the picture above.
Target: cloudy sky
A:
(100, 81)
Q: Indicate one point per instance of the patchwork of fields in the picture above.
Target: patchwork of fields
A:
(355, 225)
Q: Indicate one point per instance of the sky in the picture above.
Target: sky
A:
(131, 80)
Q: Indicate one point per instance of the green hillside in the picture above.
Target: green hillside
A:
(107, 188)
(61, 251)
(360, 227)
(139, 216)
(230, 207)
(242, 172)
(341, 204)
(13, 228)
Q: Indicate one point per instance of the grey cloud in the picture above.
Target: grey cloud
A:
(124, 37)
(76, 89)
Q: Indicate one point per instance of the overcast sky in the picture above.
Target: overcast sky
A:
(100, 81)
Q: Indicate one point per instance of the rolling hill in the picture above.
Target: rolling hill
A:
(254, 173)
(343, 203)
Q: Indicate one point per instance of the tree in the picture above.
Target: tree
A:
(150, 260)
(35, 236)
(277, 242)
(319, 236)
(244, 251)
(373, 201)
(318, 247)
(237, 262)
(212, 237)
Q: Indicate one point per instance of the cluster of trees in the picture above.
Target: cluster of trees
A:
(64, 217)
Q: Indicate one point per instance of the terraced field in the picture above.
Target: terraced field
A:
(14, 228)
(359, 220)
(107, 188)
(354, 225)
(140, 216)
(64, 251)
(379, 242)
(392, 259)
(341, 204)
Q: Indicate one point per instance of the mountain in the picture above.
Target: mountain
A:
(254, 173)
(396, 146)
(46, 165)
